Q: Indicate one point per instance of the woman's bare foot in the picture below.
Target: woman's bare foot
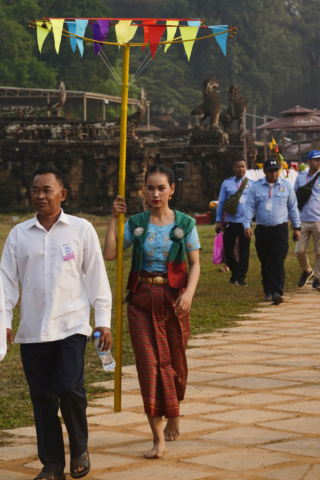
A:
(156, 451)
(159, 444)
(171, 431)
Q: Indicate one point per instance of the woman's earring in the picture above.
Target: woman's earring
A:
(170, 196)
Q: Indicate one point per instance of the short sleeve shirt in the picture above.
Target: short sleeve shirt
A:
(157, 245)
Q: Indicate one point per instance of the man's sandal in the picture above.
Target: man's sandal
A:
(82, 461)
(50, 476)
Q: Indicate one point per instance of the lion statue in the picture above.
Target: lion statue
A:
(237, 107)
(210, 106)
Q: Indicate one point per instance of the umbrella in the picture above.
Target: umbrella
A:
(297, 111)
(296, 119)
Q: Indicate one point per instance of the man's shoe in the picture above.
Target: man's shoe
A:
(233, 279)
(241, 283)
(277, 299)
(303, 280)
(315, 284)
(267, 297)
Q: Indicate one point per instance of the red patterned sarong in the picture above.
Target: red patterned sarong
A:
(159, 338)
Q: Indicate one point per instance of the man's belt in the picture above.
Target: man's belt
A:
(271, 227)
(154, 280)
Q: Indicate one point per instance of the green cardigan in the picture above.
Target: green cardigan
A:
(177, 269)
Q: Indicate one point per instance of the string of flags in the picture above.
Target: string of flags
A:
(125, 30)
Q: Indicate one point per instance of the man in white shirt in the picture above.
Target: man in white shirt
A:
(3, 343)
(57, 260)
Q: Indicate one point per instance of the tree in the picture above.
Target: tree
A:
(305, 17)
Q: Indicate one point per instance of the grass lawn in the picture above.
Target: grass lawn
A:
(217, 304)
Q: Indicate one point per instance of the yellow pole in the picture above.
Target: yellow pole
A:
(121, 190)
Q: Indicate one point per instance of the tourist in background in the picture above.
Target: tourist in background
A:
(310, 221)
(235, 190)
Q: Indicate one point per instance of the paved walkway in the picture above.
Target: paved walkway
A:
(252, 408)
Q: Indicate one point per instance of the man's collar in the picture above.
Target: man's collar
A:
(264, 180)
(62, 218)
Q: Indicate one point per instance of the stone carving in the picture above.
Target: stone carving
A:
(56, 108)
(237, 107)
(210, 106)
(136, 118)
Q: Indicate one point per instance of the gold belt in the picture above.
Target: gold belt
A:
(154, 280)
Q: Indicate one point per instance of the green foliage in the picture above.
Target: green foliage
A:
(274, 58)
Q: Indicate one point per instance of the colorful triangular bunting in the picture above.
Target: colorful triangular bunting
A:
(100, 31)
(172, 26)
(146, 24)
(155, 33)
(72, 26)
(80, 31)
(222, 38)
(188, 34)
(125, 31)
(57, 26)
(42, 33)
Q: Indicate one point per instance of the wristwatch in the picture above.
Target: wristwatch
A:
(297, 228)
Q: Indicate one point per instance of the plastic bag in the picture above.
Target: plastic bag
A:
(217, 256)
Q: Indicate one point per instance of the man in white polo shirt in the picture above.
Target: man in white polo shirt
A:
(57, 261)
(3, 343)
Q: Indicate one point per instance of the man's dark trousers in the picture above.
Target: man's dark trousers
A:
(231, 232)
(272, 247)
(54, 370)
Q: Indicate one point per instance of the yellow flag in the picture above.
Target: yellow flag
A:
(272, 144)
(42, 33)
(57, 26)
(171, 31)
(125, 31)
(188, 33)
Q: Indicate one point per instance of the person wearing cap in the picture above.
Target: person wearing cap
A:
(233, 226)
(310, 222)
(272, 199)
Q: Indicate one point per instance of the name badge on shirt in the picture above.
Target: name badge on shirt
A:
(268, 206)
(242, 200)
(67, 251)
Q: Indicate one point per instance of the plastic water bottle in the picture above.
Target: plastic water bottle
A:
(107, 360)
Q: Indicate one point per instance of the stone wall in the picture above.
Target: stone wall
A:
(91, 170)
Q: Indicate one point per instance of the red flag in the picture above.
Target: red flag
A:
(146, 24)
(155, 34)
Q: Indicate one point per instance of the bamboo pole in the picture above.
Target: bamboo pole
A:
(121, 191)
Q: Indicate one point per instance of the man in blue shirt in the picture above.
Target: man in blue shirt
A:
(272, 199)
(310, 223)
(233, 226)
